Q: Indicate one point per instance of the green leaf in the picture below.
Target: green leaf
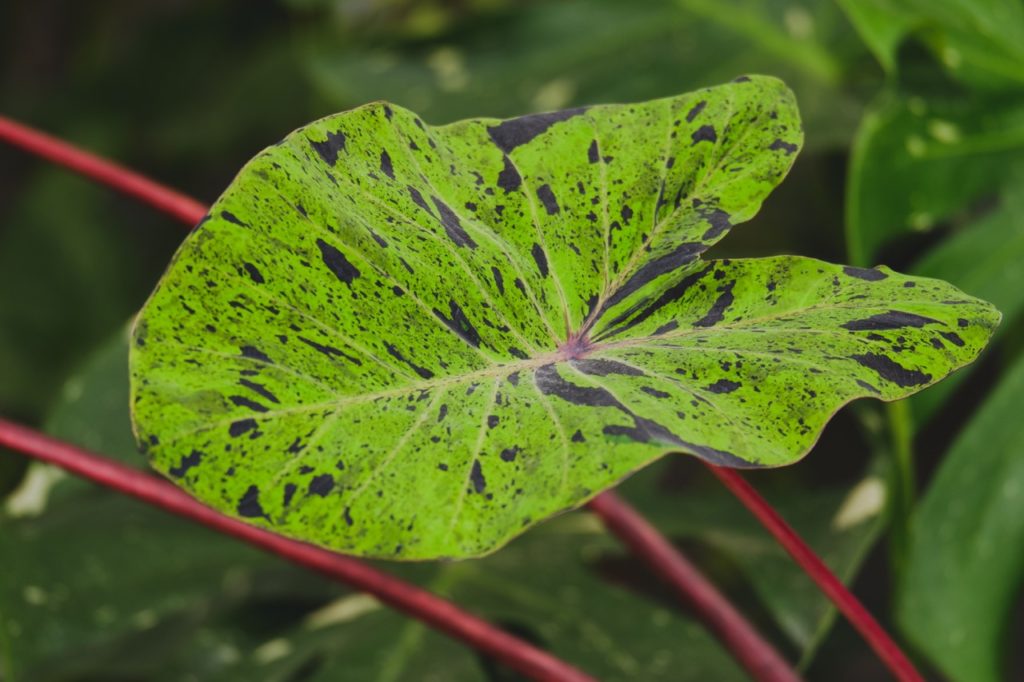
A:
(918, 163)
(981, 43)
(413, 342)
(968, 546)
(984, 259)
(882, 24)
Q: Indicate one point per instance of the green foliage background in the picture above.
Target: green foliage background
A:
(914, 113)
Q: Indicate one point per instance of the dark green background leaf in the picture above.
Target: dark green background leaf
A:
(968, 546)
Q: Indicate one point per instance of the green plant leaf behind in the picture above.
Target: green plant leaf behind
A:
(979, 43)
(136, 578)
(546, 588)
(882, 25)
(968, 545)
(920, 163)
(512, 58)
(841, 525)
(986, 259)
(412, 342)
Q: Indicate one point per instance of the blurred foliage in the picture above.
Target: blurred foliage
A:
(968, 552)
(915, 121)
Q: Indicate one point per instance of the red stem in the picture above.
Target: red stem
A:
(420, 604)
(191, 212)
(162, 198)
(755, 654)
(848, 605)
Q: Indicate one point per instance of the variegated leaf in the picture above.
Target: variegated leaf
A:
(407, 341)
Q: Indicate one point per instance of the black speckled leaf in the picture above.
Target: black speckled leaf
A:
(412, 342)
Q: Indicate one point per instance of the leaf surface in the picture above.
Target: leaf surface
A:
(413, 342)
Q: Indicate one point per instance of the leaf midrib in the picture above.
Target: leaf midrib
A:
(504, 370)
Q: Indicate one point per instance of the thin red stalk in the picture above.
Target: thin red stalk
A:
(191, 212)
(162, 198)
(420, 604)
(755, 654)
(848, 605)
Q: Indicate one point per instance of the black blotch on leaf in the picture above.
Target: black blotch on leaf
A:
(695, 111)
(321, 485)
(459, 323)
(547, 197)
(329, 351)
(718, 308)
(254, 353)
(894, 319)
(509, 178)
(602, 367)
(452, 225)
(476, 477)
(242, 401)
(232, 218)
(418, 199)
(892, 371)
(499, 282)
(187, 462)
(782, 145)
(509, 134)
(654, 392)
(723, 386)
(385, 164)
(254, 274)
(681, 255)
(705, 133)
(242, 426)
(260, 389)
(249, 506)
(540, 258)
(719, 222)
(869, 274)
(421, 371)
(953, 338)
(329, 148)
(337, 263)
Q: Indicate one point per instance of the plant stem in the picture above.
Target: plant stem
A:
(162, 198)
(418, 603)
(848, 605)
(754, 653)
(902, 486)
